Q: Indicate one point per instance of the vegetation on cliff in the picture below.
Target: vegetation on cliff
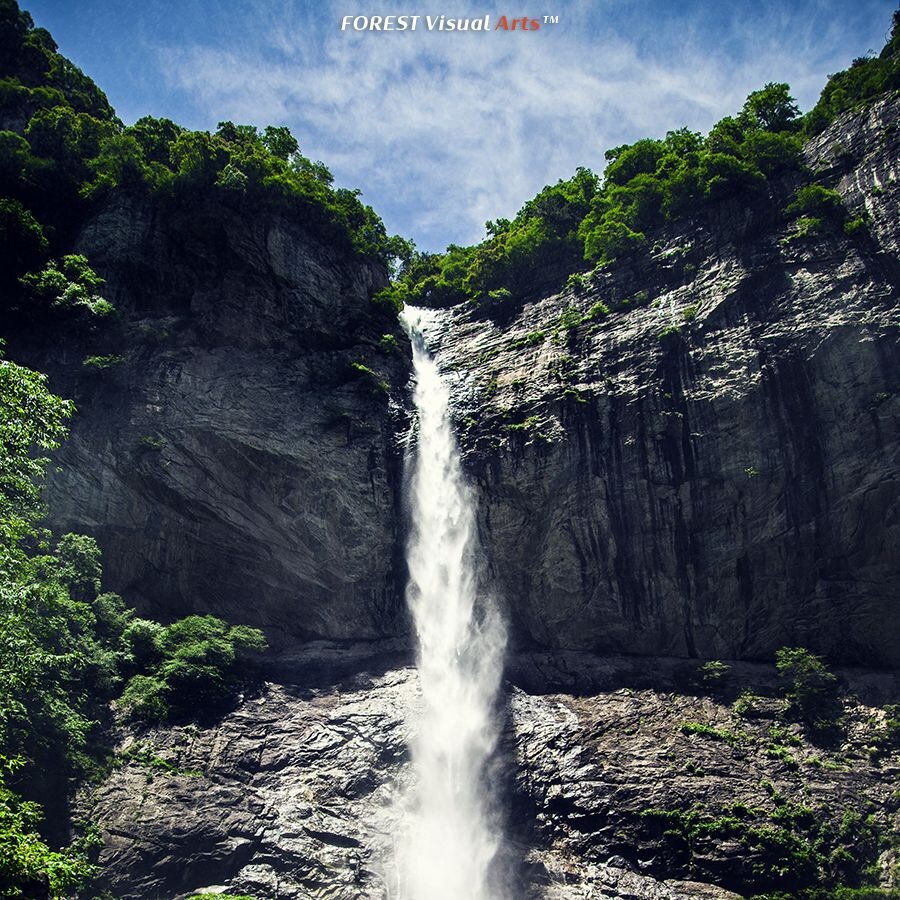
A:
(67, 649)
(73, 657)
(588, 221)
(63, 150)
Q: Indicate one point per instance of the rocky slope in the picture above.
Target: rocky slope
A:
(297, 793)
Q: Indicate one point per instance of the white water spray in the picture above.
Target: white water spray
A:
(453, 833)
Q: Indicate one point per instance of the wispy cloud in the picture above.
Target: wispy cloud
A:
(446, 130)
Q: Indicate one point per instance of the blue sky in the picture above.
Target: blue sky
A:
(444, 131)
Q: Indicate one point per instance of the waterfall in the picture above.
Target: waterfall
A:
(453, 835)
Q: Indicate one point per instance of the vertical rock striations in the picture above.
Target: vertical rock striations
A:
(710, 469)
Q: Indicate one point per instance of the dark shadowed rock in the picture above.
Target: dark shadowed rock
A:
(236, 460)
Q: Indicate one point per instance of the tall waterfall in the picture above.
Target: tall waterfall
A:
(453, 834)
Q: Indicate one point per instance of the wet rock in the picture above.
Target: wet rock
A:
(300, 792)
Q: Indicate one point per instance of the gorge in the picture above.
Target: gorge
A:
(581, 584)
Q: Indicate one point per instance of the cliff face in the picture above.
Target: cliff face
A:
(298, 793)
(710, 469)
(707, 470)
(234, 460)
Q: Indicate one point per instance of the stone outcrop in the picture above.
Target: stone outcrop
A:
(710, 469)
(298, 793)
(238, 457)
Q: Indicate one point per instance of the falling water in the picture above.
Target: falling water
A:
(453, 835)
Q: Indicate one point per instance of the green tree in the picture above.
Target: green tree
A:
(280, 142)
(772, 108)
(813, 691)
(32, 421)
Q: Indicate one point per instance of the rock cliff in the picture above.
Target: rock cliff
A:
(710, 469)
(632, 790)
(704, 465)
(236, 456)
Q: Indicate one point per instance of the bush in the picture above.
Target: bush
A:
(855, 227)
(23, 245)
(815, 200)
(712, 675)
(70, 283)
(28, 866)
(813, 692)
(867, 79)
(145, 699)
(191, 667)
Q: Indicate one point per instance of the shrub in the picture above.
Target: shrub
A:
(854, 227)
(712, 674)
(28, 866)
(23, 244)
(598, 311)
(70, 283)
(532, 339)
(371, 378)
(100, 363)
(716, 734)
(815, 200)
(813, 691)
(145, 699)
(866, 79)
(190, 667)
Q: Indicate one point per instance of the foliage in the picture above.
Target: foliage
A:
(816, 200)
(532, 339)
(188, 668)
(792, 848)
(388, 344)
(716, 734)
(72, 151)
(23, 244)
(102, 362)
(28, 866)
(712, 674)
(853, 227)
(31, 418)
(69, 283)
(371, 378)
(646, 185)
(867, 78)
(813, 692)
(66, 649)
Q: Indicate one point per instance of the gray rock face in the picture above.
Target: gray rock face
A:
(707, 470)
(299, 792)
(710, 469)
(236, 460)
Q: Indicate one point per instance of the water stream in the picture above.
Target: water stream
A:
(453, 834)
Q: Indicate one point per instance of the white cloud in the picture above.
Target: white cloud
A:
(444, 130)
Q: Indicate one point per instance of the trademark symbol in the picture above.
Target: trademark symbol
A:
(551, 20)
